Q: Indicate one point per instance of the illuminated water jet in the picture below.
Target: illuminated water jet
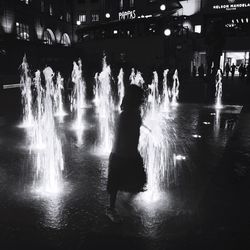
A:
(78, 99)
(120, 86)
(175, 89)
(218, 92)
(26, 83)
(58, 97)
(105, 108)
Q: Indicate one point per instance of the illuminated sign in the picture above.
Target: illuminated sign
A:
(232, 5)
(127, 15)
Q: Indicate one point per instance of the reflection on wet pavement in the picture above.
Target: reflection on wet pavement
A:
(75, 218)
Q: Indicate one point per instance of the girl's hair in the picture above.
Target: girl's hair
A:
(133, 98)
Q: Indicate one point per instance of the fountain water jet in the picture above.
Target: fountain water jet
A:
(120, 85)
(78, 102)
(48, 160)
(26, 83)
(175, 89)
(105, 109)
(59, 110)
(165, 92)
(218, 92)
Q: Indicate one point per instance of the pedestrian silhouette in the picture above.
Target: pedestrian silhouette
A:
(126, 169)
(227, 69)
(233, 67)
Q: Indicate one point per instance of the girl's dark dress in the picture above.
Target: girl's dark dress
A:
(126, 170)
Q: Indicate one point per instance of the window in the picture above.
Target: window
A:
(48, 37)
(42, 6)
(65, 40)
(22, 31)
(131, 3)
(82, 18)
(121, 4)
(26, 1)
(50, 10)
(197, 28)
(95, 17)
(68, 17)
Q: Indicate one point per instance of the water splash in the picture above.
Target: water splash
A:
(105, 109)
(58, 97)
(120, 85)
(218, 92)
(175, 89)
(26, 91)
(132, 76)
(165, 92)
(138, 80)
(78, 101)
(48, 160)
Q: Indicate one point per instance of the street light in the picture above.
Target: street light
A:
(78, 22)
(107, 15)
(163, 7)
(167, 32)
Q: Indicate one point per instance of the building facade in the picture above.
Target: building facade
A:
(155, 33)
(43, 30)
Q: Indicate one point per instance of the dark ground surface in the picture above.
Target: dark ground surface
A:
(208, 209)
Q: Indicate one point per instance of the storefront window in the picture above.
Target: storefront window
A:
(22, 31)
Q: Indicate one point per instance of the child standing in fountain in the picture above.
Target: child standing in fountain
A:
(126, 170)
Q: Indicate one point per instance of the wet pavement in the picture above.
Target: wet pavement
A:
(206, 206)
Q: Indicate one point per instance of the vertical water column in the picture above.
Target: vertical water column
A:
(26, 91)
(49, 162)
(105, 109)
(153, 144)
(58, 96)
(218, 92)
(121, 89)
(78, 99)
(165, 92)
(138, 80)
(175, 88)
(132, 76)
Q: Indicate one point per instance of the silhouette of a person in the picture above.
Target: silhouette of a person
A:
(227, 69)
(233, 67)
(126, 169)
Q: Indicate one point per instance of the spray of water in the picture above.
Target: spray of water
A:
(138, 80)
(48, 157)
(165, 92)
(156, 143)
(120, 85)
(105, 109)
(218, 92)
(26, 83)
(175, 89)
(78, 99)
(132, 76)
(58, 97)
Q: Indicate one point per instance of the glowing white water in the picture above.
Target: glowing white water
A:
(58, 97)
(105, 109)
(78, 102)
(120, 85)
(165, 92)
(153, 97)
(96, 90)
(218, 93)
(132, 76)
(49, 162)
(26, 83)
(153, 148)
(175, 89)
(138, 80)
